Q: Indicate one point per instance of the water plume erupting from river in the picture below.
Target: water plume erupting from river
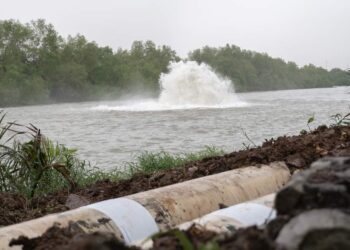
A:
(193, 84)
(187, 85)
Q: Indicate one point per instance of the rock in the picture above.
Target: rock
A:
(295, 161)
(344, 136)
(321, 151)
(324, 185)
(330, 133)
(74, 201)
(192, 169)
(316, 229)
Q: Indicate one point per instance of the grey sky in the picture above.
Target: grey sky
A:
(304, 31)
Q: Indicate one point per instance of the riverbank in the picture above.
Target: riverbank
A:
(297, 151)
(308, 217)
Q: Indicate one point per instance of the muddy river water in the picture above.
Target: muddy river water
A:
(110, 133)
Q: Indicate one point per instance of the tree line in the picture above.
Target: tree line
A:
(37, 65)
(251, 71)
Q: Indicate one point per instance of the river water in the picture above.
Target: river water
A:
(110, 133)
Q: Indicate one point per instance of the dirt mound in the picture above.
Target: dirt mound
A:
(313, 212)
(15, 208)
(10, 205)
(70, 238)
(196, 237)
(171, 240)
(325, 185)
(297, 151)
(314, 207)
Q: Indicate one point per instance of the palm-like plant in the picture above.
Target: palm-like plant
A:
(27, 167)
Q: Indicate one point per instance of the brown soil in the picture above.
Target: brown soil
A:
(312, 189)
(171, 240)
(297, 151)
(70, 238)
(250, 238)
(324, 186)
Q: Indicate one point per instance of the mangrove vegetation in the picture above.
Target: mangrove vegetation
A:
(38, 65)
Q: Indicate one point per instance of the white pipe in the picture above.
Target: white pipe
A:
(130, 217)
(255, 212)
(178, 203)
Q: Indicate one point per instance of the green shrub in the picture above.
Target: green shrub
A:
(39, 166)
(149, 162)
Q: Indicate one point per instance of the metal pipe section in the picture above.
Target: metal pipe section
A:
(140, 215)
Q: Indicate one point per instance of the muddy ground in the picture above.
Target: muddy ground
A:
(297, 151)
(311, 198)
(70, 238)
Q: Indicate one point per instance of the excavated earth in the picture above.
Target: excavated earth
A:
(297, 151)
(309, 200)
(71, 237)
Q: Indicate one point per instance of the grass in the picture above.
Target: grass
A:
(341, 120)
(37, 166)
(148, 162)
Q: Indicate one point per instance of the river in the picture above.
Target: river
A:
(110, 133)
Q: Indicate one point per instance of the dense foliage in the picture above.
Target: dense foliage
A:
(37, 65)
(252, 71)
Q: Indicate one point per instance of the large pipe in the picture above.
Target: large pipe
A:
(254, 212)
(138, 216)
(176, 204)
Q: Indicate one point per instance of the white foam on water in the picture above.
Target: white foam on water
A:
(188, 85)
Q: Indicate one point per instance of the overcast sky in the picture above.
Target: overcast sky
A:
(304, 31)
